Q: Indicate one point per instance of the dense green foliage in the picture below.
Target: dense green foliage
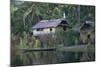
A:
(25, 14)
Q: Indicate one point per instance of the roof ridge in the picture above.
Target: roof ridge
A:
(52, 20)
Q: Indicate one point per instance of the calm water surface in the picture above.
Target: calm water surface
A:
(45, 57)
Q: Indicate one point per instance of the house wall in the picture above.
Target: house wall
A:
(44, 31)
(84, 36)
(59, 28)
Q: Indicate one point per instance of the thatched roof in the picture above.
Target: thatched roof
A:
(87, 25)
(49, 23)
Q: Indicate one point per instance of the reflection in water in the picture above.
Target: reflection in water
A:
(46, 57)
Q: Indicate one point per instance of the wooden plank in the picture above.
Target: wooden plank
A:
(77, 48)
(38, 49)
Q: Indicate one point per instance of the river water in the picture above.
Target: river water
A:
(45, 57)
